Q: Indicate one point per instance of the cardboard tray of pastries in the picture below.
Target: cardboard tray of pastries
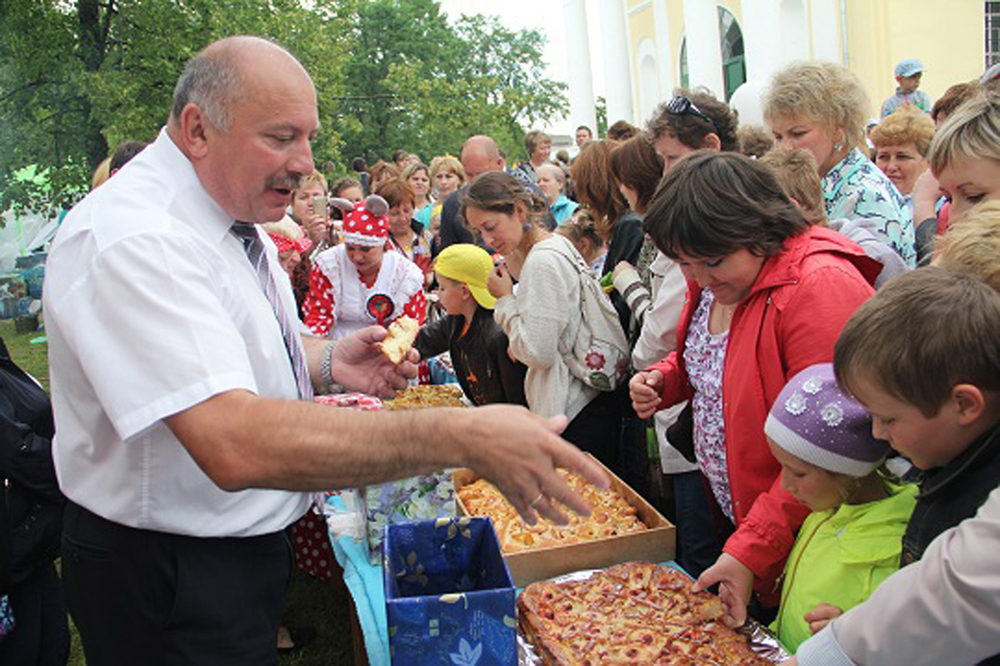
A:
(654, 540)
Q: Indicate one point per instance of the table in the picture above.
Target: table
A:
(365, 583)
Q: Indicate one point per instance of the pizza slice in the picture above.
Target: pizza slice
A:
(402, 334)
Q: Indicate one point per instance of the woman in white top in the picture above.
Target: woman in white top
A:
(358, 283)
(543, 318)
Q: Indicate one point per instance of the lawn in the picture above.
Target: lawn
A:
(308, 602)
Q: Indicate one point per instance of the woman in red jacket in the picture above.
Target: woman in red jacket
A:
(767, 297)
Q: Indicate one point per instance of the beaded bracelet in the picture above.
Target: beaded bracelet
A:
(326, 372)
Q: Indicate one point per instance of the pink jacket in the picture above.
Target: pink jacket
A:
(791, 319)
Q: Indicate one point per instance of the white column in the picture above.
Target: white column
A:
(761, 38)
(617, 74)
(826, 31)
(704, 50)
(664, 50)
(581, 83)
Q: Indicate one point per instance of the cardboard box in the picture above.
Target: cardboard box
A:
(449, 597)
(657, 544)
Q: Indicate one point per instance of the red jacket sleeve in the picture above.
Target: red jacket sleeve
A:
(676, 387)
(812, 318)
(317, 309)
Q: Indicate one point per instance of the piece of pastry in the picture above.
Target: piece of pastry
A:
(402, 334)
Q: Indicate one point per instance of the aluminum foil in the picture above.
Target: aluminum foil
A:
(762, 641)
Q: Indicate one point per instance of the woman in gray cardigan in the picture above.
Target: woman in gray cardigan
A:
(542, 317)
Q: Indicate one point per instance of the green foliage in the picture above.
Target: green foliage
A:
(601, 111)
(77, 78)
(415, 82)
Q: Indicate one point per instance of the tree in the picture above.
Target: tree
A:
(418, 83)
(79, 77)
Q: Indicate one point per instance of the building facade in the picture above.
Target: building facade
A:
(724, 45)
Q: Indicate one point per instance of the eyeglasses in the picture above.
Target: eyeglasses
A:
(682, 106)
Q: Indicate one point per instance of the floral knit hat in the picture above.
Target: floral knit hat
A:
(814, 420)
(365, 223)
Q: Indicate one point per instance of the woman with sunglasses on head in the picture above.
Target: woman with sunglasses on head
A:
(820, 106)
(767, 296)
(689, 122)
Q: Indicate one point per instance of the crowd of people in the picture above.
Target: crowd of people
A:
(757, 301)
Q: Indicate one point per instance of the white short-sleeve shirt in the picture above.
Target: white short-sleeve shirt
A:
(151, 307)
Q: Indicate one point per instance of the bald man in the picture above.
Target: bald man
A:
(480, 154)
(187, 437)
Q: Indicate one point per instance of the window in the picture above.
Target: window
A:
(685, 76)
(992, 33)
(734, 68)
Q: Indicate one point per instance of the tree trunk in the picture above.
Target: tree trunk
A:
(91, 51)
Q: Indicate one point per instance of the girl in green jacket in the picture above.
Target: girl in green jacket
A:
(830, 462)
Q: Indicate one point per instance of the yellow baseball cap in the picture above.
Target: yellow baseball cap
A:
(470, 265)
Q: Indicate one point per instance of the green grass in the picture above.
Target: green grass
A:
(308, 601)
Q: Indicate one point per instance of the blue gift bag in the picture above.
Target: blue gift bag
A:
(449, 596)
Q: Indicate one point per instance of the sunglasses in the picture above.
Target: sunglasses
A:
(682, 106)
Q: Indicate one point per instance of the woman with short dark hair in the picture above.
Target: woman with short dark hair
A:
(767, 296)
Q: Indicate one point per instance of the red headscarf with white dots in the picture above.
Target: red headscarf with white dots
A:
(363, 227)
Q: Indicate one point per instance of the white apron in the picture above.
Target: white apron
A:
(356, 306)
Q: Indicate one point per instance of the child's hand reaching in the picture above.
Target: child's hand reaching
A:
(821, 616)
(735, 585)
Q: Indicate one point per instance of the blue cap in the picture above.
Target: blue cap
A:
(909, 67)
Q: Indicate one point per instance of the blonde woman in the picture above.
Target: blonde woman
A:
(820, 106)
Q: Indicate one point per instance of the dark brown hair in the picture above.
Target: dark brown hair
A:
(395, 191)
(500, 192)
(690, 128)
(954, 97)
(713, 204)
(637, 165)
(951, 338)
(594, 186)
(622, 130)
(379, 170)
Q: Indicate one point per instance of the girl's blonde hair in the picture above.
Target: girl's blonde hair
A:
(972, 246)
(972, 131)
(824, 92)
(448, 163)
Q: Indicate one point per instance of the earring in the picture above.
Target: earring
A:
(526, 226)
(838, 146)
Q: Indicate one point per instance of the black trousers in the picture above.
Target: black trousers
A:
(597, 429)
(144, 597)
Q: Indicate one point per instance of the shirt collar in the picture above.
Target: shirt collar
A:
(212, 223)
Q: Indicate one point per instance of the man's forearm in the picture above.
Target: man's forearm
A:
(243, 441)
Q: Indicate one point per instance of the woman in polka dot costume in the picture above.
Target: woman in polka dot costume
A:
(357, 283)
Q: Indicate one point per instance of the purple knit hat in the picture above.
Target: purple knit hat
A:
(814, 420)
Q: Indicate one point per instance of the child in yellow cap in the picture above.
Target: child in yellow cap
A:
(477, 343)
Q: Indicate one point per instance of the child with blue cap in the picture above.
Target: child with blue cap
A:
(908, 74)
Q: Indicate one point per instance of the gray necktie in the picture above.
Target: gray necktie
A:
(254, 248)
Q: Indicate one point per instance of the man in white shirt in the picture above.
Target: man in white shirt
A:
(181, 441)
